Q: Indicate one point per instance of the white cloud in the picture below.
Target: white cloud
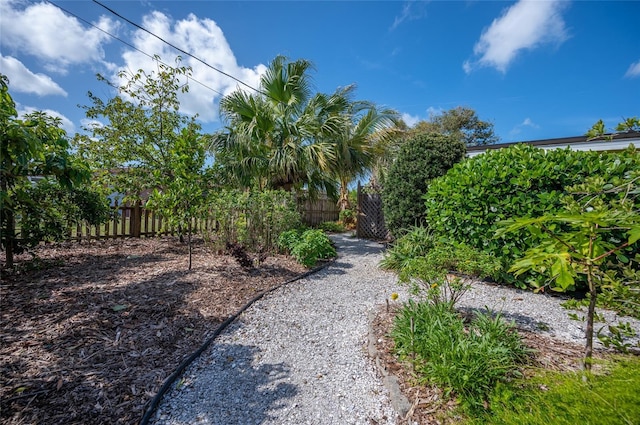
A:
(58, 40)
(433, 111)
(634, 70)
(527, 122)
(410, 120)
(90, 123)
(411, 10)
(528, 24)
(65, 122)
(22, 80)
(203, 39)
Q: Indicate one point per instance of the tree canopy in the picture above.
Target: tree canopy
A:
(132, 140)
(37, 147)
(461, 122)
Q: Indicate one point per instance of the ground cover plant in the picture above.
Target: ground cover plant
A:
(466, 361)
(332, 226)
(90, 331)
(307, 246)
(610, 396)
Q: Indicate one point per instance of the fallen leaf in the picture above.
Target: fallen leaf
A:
(119, 307)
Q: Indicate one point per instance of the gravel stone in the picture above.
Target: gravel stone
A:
(299, 355)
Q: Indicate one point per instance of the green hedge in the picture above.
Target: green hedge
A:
(520, 181)
(420, 160)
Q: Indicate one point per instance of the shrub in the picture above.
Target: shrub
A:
(332, 226)
(419, 160)
(521, 181)
(433, 272)
(252, 219)
(348, 218)
(58, 208)
(413, 244)
(466, 361)
(307, 246)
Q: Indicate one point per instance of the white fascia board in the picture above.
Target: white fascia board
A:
(601, 145)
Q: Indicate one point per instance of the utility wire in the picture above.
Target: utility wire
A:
(155, 58)
(180, 50)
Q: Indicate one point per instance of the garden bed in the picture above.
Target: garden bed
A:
(428, 404)
(90, 331)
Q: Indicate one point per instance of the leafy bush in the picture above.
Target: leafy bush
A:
(58, 208)
(413, 244)
(427, 264)
(520, 181)
(332, 226)
(468, 362)
(348, 218)
(307, 246)
(252, 219)
(419, 160)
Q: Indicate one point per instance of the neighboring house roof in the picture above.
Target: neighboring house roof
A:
(618, 142)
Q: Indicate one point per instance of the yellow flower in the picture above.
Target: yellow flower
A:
(394, 296)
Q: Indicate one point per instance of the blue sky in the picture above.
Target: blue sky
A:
(536, 69)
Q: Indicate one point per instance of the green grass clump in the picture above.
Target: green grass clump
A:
(463, 361)
(611, 397)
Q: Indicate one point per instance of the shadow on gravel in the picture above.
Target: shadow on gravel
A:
(337, 268)
(522, 321)
(349, 245)
(238, 391)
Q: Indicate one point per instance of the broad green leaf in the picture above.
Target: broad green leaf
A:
(634, 235)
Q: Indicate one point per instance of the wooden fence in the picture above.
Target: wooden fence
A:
(318, 211)
(128, 221)
(137, 221)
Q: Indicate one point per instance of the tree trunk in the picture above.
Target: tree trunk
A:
(189, 241)
(343, 202)
(10, 235)
(590, 316)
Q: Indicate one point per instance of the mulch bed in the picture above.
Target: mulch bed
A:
(429, 405)
(90, 331)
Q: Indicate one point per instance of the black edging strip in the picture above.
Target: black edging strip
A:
(171, 378)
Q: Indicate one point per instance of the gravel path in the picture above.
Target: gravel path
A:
(298, 355)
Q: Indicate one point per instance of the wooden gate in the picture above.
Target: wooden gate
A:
(370, 223)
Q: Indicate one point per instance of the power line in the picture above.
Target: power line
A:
(156, 58)
(179, 49)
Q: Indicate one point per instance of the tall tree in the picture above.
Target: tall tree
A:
(461, 122)
(181, 199)
(133, 138)
(365, 137)
(280, 137)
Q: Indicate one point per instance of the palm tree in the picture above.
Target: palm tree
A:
(279, 137)
(364, 138)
